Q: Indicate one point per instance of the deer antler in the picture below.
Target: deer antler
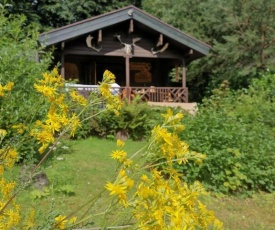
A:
(89, 43)
(128, 48)
(160, 50)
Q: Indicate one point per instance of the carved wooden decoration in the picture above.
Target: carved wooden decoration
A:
(143, 75)
(71, 71)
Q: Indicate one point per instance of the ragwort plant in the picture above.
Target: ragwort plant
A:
(59, 120)
(141, 196)
(159, 199)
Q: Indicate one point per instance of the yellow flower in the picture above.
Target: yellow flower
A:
(73, 220)
(8, 86)
(43, 148)
(117, 190)
(1, 171)
(6, 188)
(120, 143)
(53, 122)
(119, 155)
(108, 77)
(75, 123)
(13, 217)
(3, 133)
(78, 98)
(10, 158)
(20, 128)
(127, 163)
(144, 192)
(61, 222)
(144, 178)
(30, 220)
(45, 136)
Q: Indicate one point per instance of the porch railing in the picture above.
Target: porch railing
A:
(152, 94)
(160, 94)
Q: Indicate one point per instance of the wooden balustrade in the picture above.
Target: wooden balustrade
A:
(161, 94)
(153, 94)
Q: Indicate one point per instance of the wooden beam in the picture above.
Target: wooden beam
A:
(160, 40)
(99, 37)
(131, 26)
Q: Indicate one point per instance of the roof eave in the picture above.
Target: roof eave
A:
(83, 27)
(86, 26)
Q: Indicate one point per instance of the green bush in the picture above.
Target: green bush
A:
(135, 121)
(236, 132)
(19, 53)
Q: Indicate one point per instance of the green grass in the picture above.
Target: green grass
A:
(83, 172)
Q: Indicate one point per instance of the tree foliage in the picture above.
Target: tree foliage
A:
(56, 13)
(241, 34)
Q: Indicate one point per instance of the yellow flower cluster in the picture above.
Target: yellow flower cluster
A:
(113, 102)
(78, 98)
(119, 188)
(167, 145)
(5, 88)
(160, 200)
(61, 222)
(9, 217)
(58, 118)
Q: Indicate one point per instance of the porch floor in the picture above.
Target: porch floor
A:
(192, 108)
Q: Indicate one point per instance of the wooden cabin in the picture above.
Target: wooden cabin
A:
(138, 48)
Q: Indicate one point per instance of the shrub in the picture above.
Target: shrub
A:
(19, 53)
(236, 132)
(136, 121)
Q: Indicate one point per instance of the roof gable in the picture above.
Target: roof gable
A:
(124, 14)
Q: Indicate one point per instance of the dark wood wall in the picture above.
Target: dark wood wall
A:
(92, 63)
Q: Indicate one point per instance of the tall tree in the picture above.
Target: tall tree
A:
(241, 33)
(56, 13)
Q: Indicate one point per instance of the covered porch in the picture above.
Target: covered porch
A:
(146, 78)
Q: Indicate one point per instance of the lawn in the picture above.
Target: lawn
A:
(77, 176)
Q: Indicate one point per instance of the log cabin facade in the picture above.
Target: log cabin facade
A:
(138, 48)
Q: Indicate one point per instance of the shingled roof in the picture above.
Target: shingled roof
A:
(80, 28)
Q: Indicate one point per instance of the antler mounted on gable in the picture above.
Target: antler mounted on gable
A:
(89, 43)
(128, 48)
(159, 48)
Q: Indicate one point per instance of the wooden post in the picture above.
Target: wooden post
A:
(95, 76)
(184, 80)
(127, 69)
(176, 73)
(62, 60)
(183, 74)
